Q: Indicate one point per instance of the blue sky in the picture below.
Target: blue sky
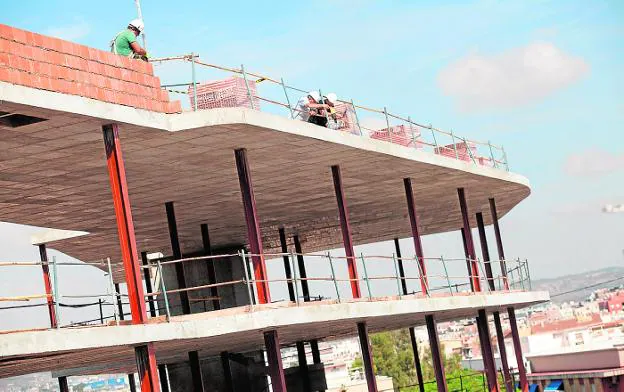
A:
(542, 78)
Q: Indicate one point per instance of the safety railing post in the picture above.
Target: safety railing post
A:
(388, 125)
(526, 264)
(56, 296)
(333, 275)
(251, 103)
(357, 121)
(505, 158)
(247, 279)
(469, 151)
(483, 275)
(435, 141)
(398, 276)
(448, 281)
(111, 287)
(294, 270)
(409, 121)
(492, 157)
(292, 115)
(163, 290)
(454, 144)
(194, 80)
(370, 295)
(421, 275)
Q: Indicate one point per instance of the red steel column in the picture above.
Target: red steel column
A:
(253, 226)
(367, 357)
(286, 259)
(43, 253)
(411, 209)
(436, 355)
(485, 252)
(474, 270)
(499, 242)
(486, 351)
(524, 383)
(276, 369)
(347, 239)
(502, 351)
(146, 360)
(212, 274)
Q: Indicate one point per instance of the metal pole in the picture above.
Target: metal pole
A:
(194, 80)
(492, 154)
(388, 125)
(63, 385)
(397, 248)
(292, 115)
(210, 266)
(287, 268)
(274, 356)
(119, 302)
(227, 371)
(43, 253)
(485, 251)
(137, 3)
(448, 281)
(454, 145)
(469, 151)
(435, 142)
(436, 355)
(524, 384)
(345, 226)
(476, 284)
(417, 364)
(370, 295)
(254, 235)
(502, 351)
(148, 284)
(101, 311)
(294, 267)
(303, 275)
(357, 121)
(56, 295)
(177, 254)
(112, 289)
(303, 367)
(163, 290)
(505, 158)
(413, 217)
(367, 357)
(499, 242)
(398, 276)
(247, 279)
(251, 104)
(487, 352)
(333, 275)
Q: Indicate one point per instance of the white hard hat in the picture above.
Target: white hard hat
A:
(137, 24)
(332, 97)
(315, 95)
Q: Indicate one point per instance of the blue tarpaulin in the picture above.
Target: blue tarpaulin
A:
(532, 387)
(555, 385)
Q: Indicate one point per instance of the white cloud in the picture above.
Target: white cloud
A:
(593, 162)
(511, 78)
(71, 32)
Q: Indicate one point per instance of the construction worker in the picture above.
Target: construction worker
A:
(125, 43)
(310, 109)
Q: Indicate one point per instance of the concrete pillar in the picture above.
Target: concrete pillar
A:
(436, 355)
(345, 227)
(145, 357)
(487, 353)
(472, 255)
(276, 369)
(367, 357)
(524, 384)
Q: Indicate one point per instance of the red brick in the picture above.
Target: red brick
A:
(37, 40)
(173, 107)
(4, 46)
(4, 73)
(163, 95)
(5, 31)
(19, 35)
(45, 83)
(4, 60)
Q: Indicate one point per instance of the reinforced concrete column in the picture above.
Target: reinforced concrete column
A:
(253, 226)
(286, 259)
(367, 357)
(43, 255)
(487, 353)
(145, 357)
(212, 275)
(345, 227)
(276, 369)
(411, 210)
(436, 355)
(177, 255)
(419, 375)
(524, 383)
(472, 255)
(499, 242)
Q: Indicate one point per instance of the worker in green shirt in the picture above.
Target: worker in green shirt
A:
(125, 43)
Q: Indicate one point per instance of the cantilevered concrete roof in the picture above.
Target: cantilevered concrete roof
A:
(53, 174)
(98, 350)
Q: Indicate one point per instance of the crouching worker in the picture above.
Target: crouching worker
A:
(125, 43)
(310, 109)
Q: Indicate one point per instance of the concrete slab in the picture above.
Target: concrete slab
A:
(53, 174)
(109, 349)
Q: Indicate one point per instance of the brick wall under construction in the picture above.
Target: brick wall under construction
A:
(47, 63)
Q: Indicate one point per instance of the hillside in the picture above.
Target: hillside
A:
(571, 282)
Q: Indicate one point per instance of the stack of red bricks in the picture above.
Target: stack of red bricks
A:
(47, 63)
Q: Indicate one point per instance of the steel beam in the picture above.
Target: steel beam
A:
(524, 383)
(419, 375)
(43, 254)
(413, 217)
(145, 358)
(345, 227)
(286, 259)
(119, 302)
(303, 275)
(367, 357)
(63, 385)
(502, 351)
(485, 252)
(303, 367)
(472, 255)
(196, 371)
(499, 242)
(276, 369)
(253, 226)
(177, 255)
(132, 382)
(148, 284)
(212, 274)
(487, 354)
(436, 355)
(468, 266)
(227, 371)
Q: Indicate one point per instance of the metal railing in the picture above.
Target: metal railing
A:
(325, 278)
(395, 128)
